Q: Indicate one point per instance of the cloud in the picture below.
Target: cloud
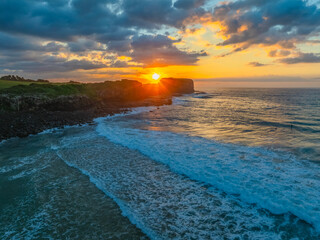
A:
(34, 32)
(188, 4)
(302, 58)
(11, 43)
(280, 22)
(105, 20)
(45, 64)
(257, 64)
(153, 14)
(279, 53)
(82, 45)
(71, 35)
(14, 43)
(159, 51)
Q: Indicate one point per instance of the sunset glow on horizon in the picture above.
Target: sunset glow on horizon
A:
(155, 76)
(160, 119)
(213, 41)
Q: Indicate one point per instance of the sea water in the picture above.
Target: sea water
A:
(228, 164)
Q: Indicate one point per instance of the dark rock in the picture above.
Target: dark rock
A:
(178, 85)
(24, 123)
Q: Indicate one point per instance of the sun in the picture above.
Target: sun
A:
(155, 76)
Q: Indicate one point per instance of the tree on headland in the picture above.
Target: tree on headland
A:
(20, 79)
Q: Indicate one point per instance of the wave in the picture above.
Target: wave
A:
(204, 95)
(276, 181)
(131, 111)
(124, 209)
(3, 141)
(166, 205)
(301, 127)
(20, 167)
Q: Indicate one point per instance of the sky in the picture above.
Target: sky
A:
(250, 43)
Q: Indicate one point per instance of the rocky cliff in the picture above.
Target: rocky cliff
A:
(30, 109)
(178, 85)
(75, 96)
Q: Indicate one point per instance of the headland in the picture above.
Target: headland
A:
(32, 106)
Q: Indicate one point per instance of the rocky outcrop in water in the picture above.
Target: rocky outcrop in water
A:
(178, 85)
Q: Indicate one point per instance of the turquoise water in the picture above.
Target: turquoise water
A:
(232, 164)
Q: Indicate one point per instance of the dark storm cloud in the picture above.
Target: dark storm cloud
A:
(82, 45)
(42, 27)
(153, 14)
(159, 50)
(105, 19)
(21, 43)
(121, 46)
(302, 58)
(40, 64)
(12, 43)
(152, 42)
(53, 47)
(281, 22)
(189, 4)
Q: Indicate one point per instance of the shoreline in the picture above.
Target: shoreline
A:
(25, 123)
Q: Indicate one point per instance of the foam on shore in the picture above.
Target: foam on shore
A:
(167, 205)
(274, 180)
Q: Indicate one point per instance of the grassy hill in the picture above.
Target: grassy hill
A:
(108, 89)
(12, 80)
(19, 86)
(18, 94)
(7, 84)
(41, 89)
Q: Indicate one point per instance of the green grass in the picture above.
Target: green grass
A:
(42, 89)
(52, 90)
(7, 84)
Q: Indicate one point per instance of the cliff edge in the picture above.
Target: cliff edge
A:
(28, 107)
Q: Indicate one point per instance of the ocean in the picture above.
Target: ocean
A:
(226, 164)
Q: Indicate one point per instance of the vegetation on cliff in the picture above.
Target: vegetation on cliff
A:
(27, 95)
(14, 78)
(30, 107)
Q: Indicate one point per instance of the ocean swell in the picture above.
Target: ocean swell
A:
(167, 205)
(276, 181)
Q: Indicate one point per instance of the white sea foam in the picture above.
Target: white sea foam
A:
(179, 100)
(26, 166)
(60, 129)
(132, 111)
(101, 185)
(47, 131)
(55, 202)
(274, 180)
(20, 162)
(166, 205)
